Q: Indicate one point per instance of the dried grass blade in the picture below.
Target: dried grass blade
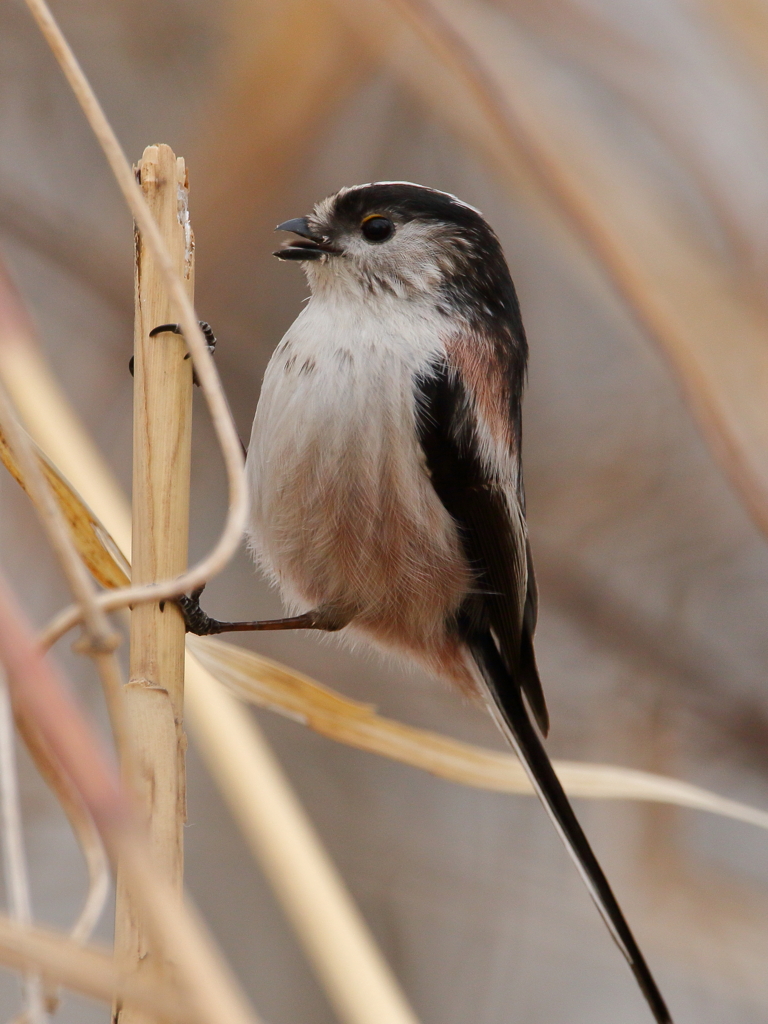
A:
(264, 683)
(95, 546)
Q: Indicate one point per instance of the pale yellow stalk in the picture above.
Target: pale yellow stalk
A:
(162, 442)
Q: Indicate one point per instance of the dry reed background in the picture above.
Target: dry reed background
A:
(626, 173)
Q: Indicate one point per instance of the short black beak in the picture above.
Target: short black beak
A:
(313, 248)
(299, 226)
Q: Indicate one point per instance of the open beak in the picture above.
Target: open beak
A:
(309, 247)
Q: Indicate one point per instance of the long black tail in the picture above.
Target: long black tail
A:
(513, 715)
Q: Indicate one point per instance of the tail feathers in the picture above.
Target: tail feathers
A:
(509, 710)
(531, 684)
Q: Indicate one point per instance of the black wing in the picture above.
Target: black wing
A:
(492, 529)
(497, 624)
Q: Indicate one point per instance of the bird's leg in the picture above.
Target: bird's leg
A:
(201, 624)
(205, 327)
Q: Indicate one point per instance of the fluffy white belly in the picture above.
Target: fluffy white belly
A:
(343, 511)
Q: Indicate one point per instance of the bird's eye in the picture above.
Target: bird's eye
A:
(377, 229)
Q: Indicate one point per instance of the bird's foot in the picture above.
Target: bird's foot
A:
(195, 619)
(201, 624)
(205, 327)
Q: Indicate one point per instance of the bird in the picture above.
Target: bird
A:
(385, 471)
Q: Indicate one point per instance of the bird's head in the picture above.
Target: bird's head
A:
(403, 240)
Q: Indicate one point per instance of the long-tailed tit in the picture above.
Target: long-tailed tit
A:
(385, 472)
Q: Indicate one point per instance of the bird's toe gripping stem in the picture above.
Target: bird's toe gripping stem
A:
(198, 622)
(205, 327)
(195, 619)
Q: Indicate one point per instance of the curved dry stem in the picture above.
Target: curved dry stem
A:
(110, 601)
(224, 428)
(81, 822)
(59, 626)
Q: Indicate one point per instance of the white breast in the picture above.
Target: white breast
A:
(343, 511)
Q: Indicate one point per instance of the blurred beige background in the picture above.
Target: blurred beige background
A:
(652, 638)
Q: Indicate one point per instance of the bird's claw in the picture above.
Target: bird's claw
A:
(205, 327)
(195, 619)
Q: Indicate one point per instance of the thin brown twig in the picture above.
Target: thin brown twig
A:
(204, 366)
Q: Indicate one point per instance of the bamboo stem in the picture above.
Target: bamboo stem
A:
(162, 449)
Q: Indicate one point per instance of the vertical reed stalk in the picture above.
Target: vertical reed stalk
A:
(161, 467)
